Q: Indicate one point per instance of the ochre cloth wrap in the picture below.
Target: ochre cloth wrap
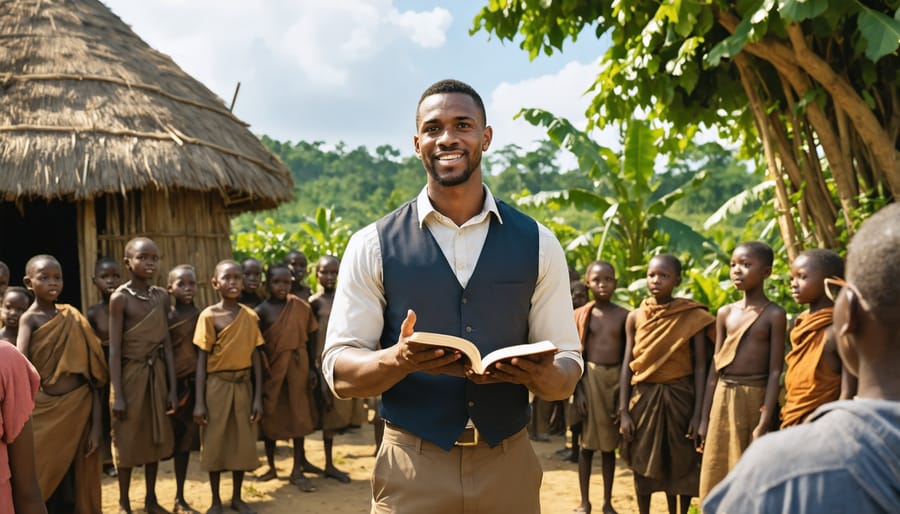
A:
(66, 345)
(808, 380)
(145, 435)
(728, 350)
(232, 349)
(659, 451)
(183, 349)
(601, 389)
(733, 415)
(228, 440)
(287, 407)
(663, 332)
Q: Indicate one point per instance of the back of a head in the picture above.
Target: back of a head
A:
(873, 263)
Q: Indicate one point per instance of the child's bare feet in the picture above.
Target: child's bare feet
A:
(303, 483)
(152, 507)
(308, 467)
(584, 508)
(335, 473)
(608, 509)
(271, 474)
(216, 508)
(242, 507)
(182, 507)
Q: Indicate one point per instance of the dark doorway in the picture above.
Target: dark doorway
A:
(42, 227)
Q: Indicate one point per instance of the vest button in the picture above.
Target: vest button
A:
(471, 403)
(465, 300)
(468, 330)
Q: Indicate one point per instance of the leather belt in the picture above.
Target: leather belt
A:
(469, 437)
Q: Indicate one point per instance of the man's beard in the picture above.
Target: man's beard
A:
(451, 179)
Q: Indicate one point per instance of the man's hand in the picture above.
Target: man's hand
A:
(532, 371)
(412, 357)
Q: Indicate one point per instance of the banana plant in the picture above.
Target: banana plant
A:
(631, 214)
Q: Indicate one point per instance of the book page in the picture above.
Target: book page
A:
(518, 350)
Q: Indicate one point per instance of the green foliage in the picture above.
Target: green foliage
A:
(630, 211)
(270, 241)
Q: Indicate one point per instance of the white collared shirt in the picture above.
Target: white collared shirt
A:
(357, 316)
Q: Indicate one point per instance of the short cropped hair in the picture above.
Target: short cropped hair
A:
(873, 262)
(671, 260)
(599, 263)
(4, 267)
(277, 266)
(173, 273)
(325, 259)
(826, 261)
(761, 250)
(453, 86)
(103, 261)
(226, 262)
(129, 246)
(32, 262)
(19, 290)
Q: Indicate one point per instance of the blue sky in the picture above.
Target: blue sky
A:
(352, 70)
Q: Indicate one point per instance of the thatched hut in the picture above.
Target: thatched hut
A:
(103, 139)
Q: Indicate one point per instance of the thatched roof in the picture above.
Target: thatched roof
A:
(86, 107)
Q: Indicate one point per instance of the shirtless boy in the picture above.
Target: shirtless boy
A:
(13, 303)
(58, 340)
(251, 296)
(743, 384)
(661, 389)
(814, 374)
(335, 413)
(107, 277)
(296, 260)
(142, 373)
(601, 327)
(228, 405)
(182, 318)
(289, 329)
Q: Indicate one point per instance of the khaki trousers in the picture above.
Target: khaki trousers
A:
(414, 476)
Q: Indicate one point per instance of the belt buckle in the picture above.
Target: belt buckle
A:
(469, 437)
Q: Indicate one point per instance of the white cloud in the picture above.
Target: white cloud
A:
(561, 93)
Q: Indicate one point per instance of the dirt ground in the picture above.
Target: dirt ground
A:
(353, 453)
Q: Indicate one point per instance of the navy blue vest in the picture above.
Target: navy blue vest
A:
(492, 312)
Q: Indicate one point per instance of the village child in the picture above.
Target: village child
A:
(142, 373)
(182, 320)
(335, 413)
(814, 373)
(289, 330)
(251, 296)
(661, 389)
(741, 395)
(228, 404)
(66, 419)
(107, 278)
(573, 418)
(4, 277)
(601, 327)
(296, 260)
(13, 303)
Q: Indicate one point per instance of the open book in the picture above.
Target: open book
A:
(480, 363)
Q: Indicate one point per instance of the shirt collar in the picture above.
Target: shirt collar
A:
(425, 209)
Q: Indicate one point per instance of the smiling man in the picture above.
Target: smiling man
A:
(454, 260)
